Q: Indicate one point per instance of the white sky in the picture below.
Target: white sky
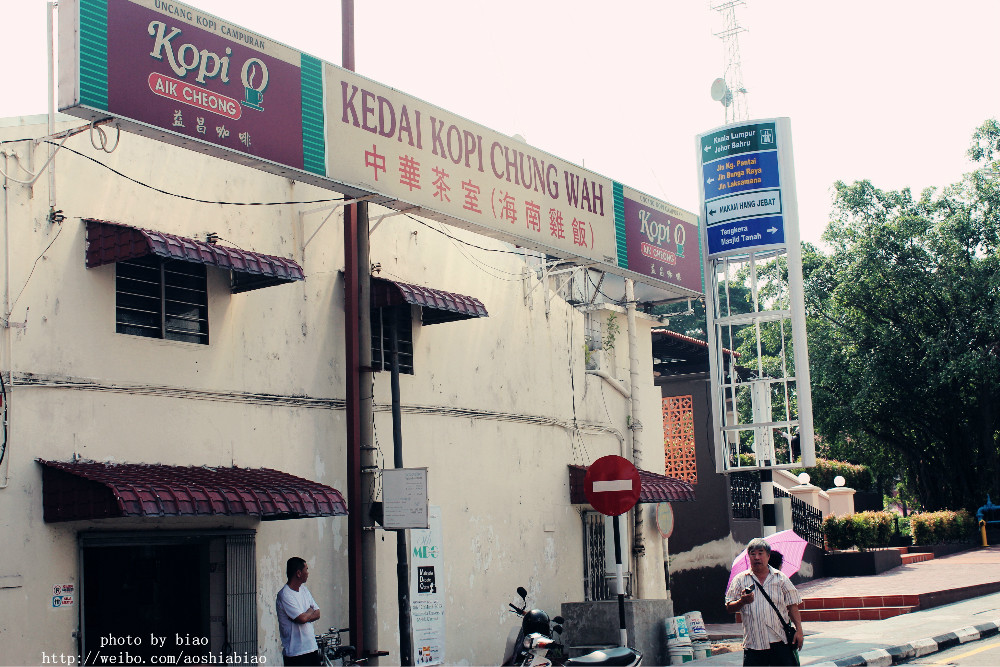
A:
(880, 89)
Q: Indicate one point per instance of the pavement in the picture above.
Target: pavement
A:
(953, 584)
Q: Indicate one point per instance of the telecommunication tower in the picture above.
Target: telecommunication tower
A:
(729, 90)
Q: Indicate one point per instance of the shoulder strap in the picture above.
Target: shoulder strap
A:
(770, 602)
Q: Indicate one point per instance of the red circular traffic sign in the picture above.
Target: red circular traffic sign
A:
(612, 485)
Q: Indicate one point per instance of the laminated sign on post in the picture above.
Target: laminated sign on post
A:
(404, 498)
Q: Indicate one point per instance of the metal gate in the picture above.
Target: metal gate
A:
(241, 595)
(598, 580)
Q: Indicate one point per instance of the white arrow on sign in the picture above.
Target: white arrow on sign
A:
(772, 229)
(613, 485)
(711, 180)
(708, 148)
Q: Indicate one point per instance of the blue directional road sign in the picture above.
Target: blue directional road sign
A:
(742, 189)
(741, 173)
(745, 233)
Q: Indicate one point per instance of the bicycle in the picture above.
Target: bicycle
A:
(331, 648)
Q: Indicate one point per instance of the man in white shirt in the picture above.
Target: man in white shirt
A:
(764, 641)
(297, 610)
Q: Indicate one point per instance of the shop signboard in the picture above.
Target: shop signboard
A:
(172, 72)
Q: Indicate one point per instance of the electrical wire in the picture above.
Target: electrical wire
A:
(598, 289)
(195, 199)
(486, 268)
(473, 245)
(41, 169)
(28, 279)
(99, 131)
(376, 489)
(3, 416)
(491, 271)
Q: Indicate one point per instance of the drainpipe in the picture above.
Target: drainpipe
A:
(635, 427)
(52, 111)
(369, 466)
(6, 365)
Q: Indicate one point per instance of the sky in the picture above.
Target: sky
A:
(884, 90)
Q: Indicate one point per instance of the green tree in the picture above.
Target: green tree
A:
(904, 332)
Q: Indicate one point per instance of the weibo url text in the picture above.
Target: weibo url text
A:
(125, 658)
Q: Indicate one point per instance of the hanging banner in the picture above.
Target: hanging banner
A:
(427, 591)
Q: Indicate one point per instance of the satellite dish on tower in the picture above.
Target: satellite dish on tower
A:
(721, 92)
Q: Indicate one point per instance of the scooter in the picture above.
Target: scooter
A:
(531, 645)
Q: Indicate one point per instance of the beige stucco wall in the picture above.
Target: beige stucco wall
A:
(502, 484)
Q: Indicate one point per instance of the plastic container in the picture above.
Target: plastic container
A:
(695, 625)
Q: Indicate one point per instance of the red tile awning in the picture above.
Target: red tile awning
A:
(80, 490)
(110, 242)
(654, 488)
(438, 306)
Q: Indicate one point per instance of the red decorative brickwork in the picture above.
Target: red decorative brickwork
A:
(678, 438)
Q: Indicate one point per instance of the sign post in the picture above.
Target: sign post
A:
(748, 202)
(612, 486)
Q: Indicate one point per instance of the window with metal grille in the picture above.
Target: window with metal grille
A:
(162, 298)
(382, 319)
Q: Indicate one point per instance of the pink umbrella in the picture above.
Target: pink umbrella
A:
(787, 542)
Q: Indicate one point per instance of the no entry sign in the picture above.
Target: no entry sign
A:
(612, 485)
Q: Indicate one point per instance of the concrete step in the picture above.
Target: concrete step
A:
(855, 614)
(855, 608)
(860, 601)
(916, 558)
(850, 613)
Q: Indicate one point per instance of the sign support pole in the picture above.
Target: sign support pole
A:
(402, 568)
(613, 486)
(622, 632)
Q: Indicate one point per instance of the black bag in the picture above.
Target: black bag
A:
(789, 629)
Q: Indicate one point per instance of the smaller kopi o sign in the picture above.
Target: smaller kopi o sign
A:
(612, 485)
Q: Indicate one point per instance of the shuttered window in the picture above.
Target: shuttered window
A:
(382, 319)
(162, 298)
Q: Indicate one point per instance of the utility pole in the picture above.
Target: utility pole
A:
(362, 571)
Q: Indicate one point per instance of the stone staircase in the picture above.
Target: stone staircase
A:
(866, 607)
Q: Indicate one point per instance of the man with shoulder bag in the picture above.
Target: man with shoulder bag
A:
(769, 606)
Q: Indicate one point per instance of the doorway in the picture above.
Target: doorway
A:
(145, 601)
(169, 593)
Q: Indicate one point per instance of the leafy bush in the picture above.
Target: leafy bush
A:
(943, 526)
(864, 530)
(838, 533)
(857, 476)
(873, 530)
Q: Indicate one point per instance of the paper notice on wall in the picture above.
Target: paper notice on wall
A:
(427, 591)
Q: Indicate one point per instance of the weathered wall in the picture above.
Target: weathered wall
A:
(501, 481)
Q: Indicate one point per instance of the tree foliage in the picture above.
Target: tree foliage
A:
(904, 332)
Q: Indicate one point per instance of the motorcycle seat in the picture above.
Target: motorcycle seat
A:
(613, 657)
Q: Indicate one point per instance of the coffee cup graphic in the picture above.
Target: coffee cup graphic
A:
(253, 92)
